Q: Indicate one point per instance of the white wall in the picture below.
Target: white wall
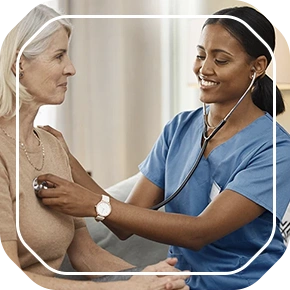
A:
(284, 119)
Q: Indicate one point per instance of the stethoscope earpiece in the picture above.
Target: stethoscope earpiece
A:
(254, 75)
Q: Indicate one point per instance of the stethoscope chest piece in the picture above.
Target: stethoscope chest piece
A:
(37, 187)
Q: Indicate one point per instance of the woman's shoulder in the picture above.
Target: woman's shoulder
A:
(44, 135)
(48, 139)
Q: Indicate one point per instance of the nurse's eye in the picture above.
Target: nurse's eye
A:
(221, 62)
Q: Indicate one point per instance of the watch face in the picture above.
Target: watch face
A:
(103, 209)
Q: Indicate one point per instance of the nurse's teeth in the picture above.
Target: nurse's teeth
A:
(208, 83)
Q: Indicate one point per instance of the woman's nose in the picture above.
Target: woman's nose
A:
(69, 69)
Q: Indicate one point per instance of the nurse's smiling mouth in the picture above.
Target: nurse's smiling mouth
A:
(206, 83)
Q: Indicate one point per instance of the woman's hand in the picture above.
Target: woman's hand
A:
(162, 282)
(58, 135)
(68, 197)
(167, 265)
(158, 283)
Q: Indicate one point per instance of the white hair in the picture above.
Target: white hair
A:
(12, 44)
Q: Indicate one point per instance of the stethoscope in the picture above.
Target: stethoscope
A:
(44, 185)
(206, 139)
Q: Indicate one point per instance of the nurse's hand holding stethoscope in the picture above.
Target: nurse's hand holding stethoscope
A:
(67, 197)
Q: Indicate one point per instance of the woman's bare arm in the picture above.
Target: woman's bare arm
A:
(10, 248)
(86, 256)
(139, 282)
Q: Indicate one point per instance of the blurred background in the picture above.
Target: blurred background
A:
(134, 73)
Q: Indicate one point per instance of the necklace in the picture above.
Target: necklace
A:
(22, 145)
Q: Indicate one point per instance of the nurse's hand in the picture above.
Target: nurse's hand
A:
(158, 283)
(68, 197)
(58, 136)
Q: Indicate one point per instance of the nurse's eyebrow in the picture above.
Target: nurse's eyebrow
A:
(215, 50)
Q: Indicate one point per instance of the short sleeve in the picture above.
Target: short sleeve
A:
(256, 180)
(153, 167)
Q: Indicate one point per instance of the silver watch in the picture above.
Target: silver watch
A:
(103, 208)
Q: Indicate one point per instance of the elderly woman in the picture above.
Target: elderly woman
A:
(44, 69)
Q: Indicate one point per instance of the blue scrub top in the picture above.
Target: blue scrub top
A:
(244, 164)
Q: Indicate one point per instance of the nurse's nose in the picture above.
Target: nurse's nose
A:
(206, 68)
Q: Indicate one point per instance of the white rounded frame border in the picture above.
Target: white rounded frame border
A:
(148, 17)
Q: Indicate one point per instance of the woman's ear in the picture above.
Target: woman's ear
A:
(20, 65)
(260, 65)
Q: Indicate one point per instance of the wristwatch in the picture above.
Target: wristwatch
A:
(103, 208)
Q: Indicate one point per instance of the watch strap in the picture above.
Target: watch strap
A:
(106, 198)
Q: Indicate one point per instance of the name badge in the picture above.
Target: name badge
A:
(215, 190)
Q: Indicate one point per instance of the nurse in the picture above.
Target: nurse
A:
(224, 215)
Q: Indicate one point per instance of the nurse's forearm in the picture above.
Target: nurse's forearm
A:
(167, 228)
(228, 212)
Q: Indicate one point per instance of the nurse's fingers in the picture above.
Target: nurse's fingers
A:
(53, 179)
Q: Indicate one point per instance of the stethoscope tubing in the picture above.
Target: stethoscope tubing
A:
(193, 168)
(206, 139)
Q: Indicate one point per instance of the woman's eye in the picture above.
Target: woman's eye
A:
(60, 56)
